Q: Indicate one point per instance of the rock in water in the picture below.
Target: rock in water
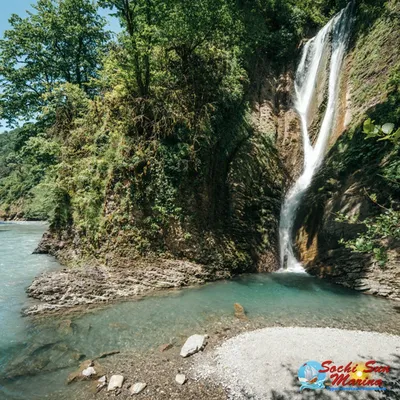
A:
(193, 344)
(116, 382)
(239, 311)
(138, 387)
(65, 327)
(180, 378)
(166, 347)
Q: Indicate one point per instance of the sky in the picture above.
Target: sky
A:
(20, 7)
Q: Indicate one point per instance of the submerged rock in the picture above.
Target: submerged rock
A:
(166, 347)
(239, 311)
(137, 388)
(107, 354)
(66, 327)
(118, 325)
(116, 382)
(193, 344)
(180, 378)
(37, 358)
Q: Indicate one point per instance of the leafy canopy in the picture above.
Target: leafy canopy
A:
(61, 41)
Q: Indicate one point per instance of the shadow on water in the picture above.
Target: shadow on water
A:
(309, 283)
(298, 281)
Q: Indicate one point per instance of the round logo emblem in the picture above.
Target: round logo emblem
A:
(310, 377)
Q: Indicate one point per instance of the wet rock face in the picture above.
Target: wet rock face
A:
(319, 233)
(359, 272)
(355, 168)
(273, 113)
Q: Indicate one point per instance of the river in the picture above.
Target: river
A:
(36, 355)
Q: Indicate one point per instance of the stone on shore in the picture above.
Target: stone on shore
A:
(116, 382)
(180, 378)
(87, 370)
(102, 382)
(263, 364)
(137, 388)
(193, 344)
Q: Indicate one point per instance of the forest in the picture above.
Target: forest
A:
(199, 197)
(142, 142)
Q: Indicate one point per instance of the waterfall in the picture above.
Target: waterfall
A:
(332, 37)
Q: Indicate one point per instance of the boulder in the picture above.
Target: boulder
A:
(137, 388)
(116, 382)
(180, 378)
(193, 344)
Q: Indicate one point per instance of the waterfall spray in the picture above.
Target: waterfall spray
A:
(336, 35)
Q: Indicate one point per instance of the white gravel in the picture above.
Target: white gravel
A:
(263, 364)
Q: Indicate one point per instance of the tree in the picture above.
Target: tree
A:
(139, 18)
(170, 25)
(61, 42)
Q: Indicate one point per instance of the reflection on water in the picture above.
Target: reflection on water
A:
(36, 356)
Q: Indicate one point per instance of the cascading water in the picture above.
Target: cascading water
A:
(332, 37)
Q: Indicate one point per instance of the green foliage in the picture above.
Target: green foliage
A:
(61, 41)
(384, 132)
(148, 149)
(380, 230)
(376, 239)
(22, 171)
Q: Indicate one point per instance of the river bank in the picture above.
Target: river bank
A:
(69, 289)
(242, 362)
(75, 287)
(115, 278)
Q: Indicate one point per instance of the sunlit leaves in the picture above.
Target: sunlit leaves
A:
(62, 41)
(384, 132)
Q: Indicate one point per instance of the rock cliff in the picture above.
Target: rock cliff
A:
(355, 168)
